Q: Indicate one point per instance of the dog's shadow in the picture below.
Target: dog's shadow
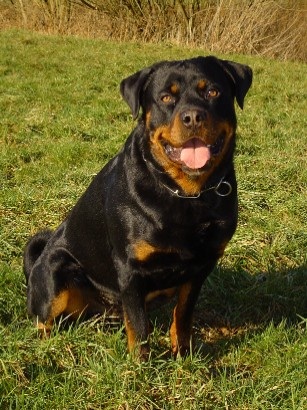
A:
(234, 305)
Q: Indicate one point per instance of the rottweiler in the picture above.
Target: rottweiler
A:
(155, 220)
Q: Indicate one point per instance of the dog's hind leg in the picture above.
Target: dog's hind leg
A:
(57, 286)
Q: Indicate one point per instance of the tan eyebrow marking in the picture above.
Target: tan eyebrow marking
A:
(174, 88)
(201, 84)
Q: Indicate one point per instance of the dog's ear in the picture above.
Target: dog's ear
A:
(131, 89)
(241, 76)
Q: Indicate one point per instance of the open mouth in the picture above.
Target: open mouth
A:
(194, 154)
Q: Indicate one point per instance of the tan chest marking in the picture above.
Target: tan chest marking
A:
(143, 250)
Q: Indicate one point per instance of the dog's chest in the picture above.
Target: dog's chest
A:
(180, 249)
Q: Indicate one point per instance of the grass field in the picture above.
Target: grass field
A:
(62, 119)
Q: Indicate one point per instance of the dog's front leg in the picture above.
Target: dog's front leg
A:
(136, 322)
(181, 328)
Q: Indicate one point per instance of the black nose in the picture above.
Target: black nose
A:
(193, 118)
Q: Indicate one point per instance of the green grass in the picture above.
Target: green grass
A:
(62, 119)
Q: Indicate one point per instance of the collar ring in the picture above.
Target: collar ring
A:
(226, 185)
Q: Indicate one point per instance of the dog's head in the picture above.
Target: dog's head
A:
(188, 111)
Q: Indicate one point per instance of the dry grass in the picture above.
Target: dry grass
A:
(267, 28)
(270, 28)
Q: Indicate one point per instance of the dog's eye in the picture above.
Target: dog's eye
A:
(212, 93)
(168, 99)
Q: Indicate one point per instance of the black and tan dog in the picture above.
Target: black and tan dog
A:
(158, 216)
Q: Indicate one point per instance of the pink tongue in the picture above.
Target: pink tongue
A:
(195, 154)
